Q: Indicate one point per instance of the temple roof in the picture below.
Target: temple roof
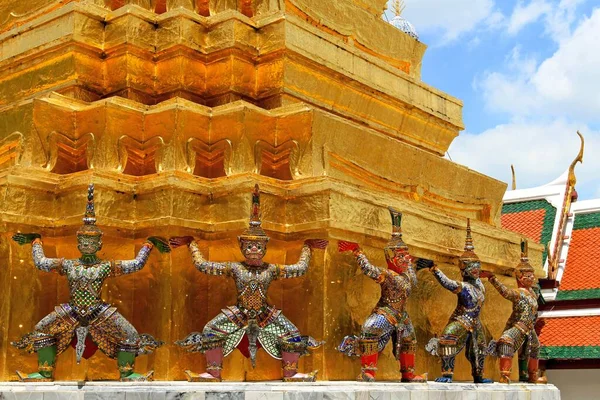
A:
(569, 322)
(581, 276)
(582, 341)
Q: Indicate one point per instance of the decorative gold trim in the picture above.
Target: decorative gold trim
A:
(514, 177)
(368, 347)
(25, 378)
(126, 368)
(148, 376)
(193, 377)
(554, 256)
(312, 377)
(45, 366)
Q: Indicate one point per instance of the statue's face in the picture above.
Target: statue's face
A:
(472, 270)
(253, 250)
(89, 245)
(526, 279)
(398, 260)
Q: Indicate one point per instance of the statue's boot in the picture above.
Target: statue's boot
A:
(523, 374)
(214, 366)
(505, 369)
(369, 354)
(125, 363)
(368, 368)
(447, 368)
(46, 362)
(291, 350)
(290, 368)
(477, 371)
(532, 369)
(407, 369)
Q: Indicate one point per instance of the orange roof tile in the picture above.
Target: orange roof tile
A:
(570, 331)
(528, 223)
(583, 268)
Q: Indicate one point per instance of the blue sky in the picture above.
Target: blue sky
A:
(528, 72)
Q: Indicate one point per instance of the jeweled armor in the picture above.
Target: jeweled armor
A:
(464, 328)
(519, 333)
(86, 320)
(252, 315)
(252, 322)
(389, 319)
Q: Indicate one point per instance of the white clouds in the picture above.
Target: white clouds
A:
(451, 18)
(540, 151)
(568, 82)
(525, 14)
(558, 16)
(546, 101)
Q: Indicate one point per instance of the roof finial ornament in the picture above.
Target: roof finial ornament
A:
(399, 7)
(399, 22)
(514, 177)
(578, 159)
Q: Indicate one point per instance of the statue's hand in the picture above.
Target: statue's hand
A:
(347, 246)
(423, 263)
(179, 241)
(25, 238)
(316, 243)
(160, 243)
(486, 274)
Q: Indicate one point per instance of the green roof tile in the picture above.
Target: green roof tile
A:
(569, 352)
(587, 221)
(584, 294)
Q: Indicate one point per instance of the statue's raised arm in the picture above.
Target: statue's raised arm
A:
(301, 267)
(40, 260)
(124, 267)
(201, 263)
(447, 283)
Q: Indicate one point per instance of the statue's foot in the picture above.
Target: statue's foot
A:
(365, 377)
(541, 380)
(203, 377)
(415, 379)
(312, 377)
(504, 379)
(444, 379)
(135, 377)
(35, 377)
(479, 379)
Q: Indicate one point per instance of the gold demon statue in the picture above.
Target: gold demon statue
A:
(87, 322)
(519, 333)
(251, 323)
(389, 319)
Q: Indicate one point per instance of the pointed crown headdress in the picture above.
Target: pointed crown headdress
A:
(469, 253)
(89, 227)
(255, 231)
(396, 242)
(524, 265)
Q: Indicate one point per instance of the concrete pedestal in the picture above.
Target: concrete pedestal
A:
(273, 391)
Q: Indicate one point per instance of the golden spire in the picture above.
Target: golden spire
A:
(399, 7)
(570, 193)
(514, 177)
(579, 159)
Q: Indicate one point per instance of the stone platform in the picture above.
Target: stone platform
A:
(273, 391)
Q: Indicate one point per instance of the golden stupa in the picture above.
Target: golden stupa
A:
(174, 109)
